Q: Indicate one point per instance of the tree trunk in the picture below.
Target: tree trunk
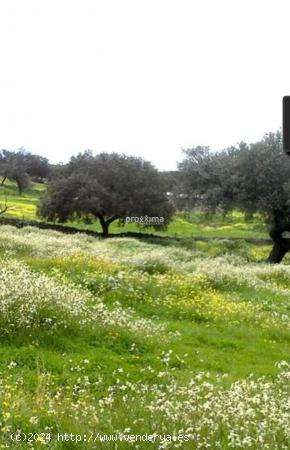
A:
(281, 244)
(19, 187)
(106, 223)
(105, 226)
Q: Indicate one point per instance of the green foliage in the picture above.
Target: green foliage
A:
(106, 187)
(250, 177)
(21, 166)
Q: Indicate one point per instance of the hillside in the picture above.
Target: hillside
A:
(126, 338)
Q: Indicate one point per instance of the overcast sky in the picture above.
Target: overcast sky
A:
(145, 78)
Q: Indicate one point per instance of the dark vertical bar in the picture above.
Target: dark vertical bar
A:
(286, 124)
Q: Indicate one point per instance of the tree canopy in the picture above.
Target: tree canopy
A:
(22, 166)
(107, 187)
(252, 177)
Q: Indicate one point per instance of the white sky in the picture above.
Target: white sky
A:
(143, 77)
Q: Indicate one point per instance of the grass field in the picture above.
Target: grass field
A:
(184, 341)
(124, 338)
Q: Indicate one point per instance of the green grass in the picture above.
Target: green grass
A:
(22, 206)
(168, 314)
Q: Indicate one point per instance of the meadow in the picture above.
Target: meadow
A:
(121, 337)
(184, 342)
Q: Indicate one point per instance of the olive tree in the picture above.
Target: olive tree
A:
(22, 166)
(252, 177)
